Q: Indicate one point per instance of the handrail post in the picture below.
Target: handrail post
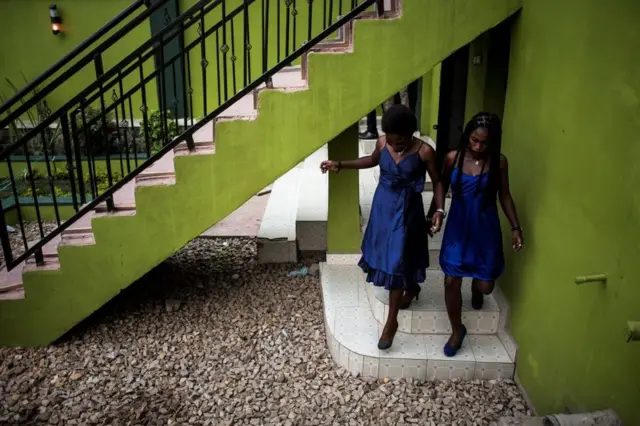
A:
(4, 238)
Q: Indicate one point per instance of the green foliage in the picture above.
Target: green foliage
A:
(156, 130)
(51, 138)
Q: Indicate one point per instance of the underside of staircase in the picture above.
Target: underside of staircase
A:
(246, 148)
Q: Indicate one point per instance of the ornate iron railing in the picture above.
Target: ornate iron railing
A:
(198, 65)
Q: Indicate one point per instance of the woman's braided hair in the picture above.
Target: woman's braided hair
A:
(490, 122)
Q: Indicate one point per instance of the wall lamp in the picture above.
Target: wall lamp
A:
(56, 21)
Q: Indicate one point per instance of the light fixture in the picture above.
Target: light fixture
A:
(56, 21)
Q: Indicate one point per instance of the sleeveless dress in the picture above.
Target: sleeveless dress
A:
(395, 247)
(472, 241)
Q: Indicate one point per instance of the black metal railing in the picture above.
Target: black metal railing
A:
(146, 104)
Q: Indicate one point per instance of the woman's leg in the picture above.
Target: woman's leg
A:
(478, 290)
(391, 326)
(410, 292)
(453, 299)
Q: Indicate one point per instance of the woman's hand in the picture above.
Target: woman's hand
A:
(517, 240)
(329, 166)
(435, 223)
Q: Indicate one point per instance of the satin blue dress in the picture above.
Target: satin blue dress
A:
(472, 241)
(395, 247)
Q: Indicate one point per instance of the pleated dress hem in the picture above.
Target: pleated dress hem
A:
(390, 281)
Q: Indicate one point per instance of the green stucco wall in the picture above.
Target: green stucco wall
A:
(343, 222)
(572, 121)
(29, 47)
(289, 127)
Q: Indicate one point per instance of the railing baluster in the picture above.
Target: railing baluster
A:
(278, 43)
(175, 102)
(246, 64)
(266, 35)
(134, 142)
(286, 37)
(203, 59)
(124, 124)
(324, 14)
(50, 177)
(16, 196)
(34, 191)
(225, 49)
(330, 12)
(190, 85)
(310, 23)
(4, 238)
(294, 12)
(185, 82)
(78, 152)
(145, 114)
(163, 95)
(233, 56)
(219, 83)
(340, 7)
(114, 98)
(64, 122)
(105, 131)
(91, 164)
(263, 42)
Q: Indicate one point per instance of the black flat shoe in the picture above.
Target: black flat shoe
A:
(368, 135)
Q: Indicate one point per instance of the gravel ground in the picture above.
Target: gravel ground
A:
(211, 338)
(32, 233)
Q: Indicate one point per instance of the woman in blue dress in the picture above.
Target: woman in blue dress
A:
(395, 248)
(472, 241)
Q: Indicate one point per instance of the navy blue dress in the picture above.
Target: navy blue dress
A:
(472, 241)
(395, 248)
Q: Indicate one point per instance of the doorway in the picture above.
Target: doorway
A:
(451, 108)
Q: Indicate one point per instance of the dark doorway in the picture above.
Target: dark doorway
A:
(453, 95)
(172, 77)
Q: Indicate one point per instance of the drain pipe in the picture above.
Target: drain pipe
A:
(600, 418)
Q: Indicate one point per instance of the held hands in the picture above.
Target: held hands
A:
(330, 166)
(516, 240)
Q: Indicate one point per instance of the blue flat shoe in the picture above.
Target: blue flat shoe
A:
(451, 351)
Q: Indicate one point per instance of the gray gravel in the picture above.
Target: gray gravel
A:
(32, 233)
(211, 338)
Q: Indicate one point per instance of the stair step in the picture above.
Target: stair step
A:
(428, 314)
(16, 294)
(277, 234)
(203, 140)
(353, 333)
(123, 199)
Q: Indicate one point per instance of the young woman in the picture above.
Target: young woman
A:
(395, 251)
(472, 241)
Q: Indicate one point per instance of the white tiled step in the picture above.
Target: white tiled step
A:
(353, 333)
(313, 204)
(428, 314)
(277, 234)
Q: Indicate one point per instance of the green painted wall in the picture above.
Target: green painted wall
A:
(29, 47)
(343, 222)
(572, 120)
(292, 125)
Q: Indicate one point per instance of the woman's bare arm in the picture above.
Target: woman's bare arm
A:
(506, 201)
(366, 162)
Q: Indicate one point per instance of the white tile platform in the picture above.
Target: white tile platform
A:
(353, 332)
